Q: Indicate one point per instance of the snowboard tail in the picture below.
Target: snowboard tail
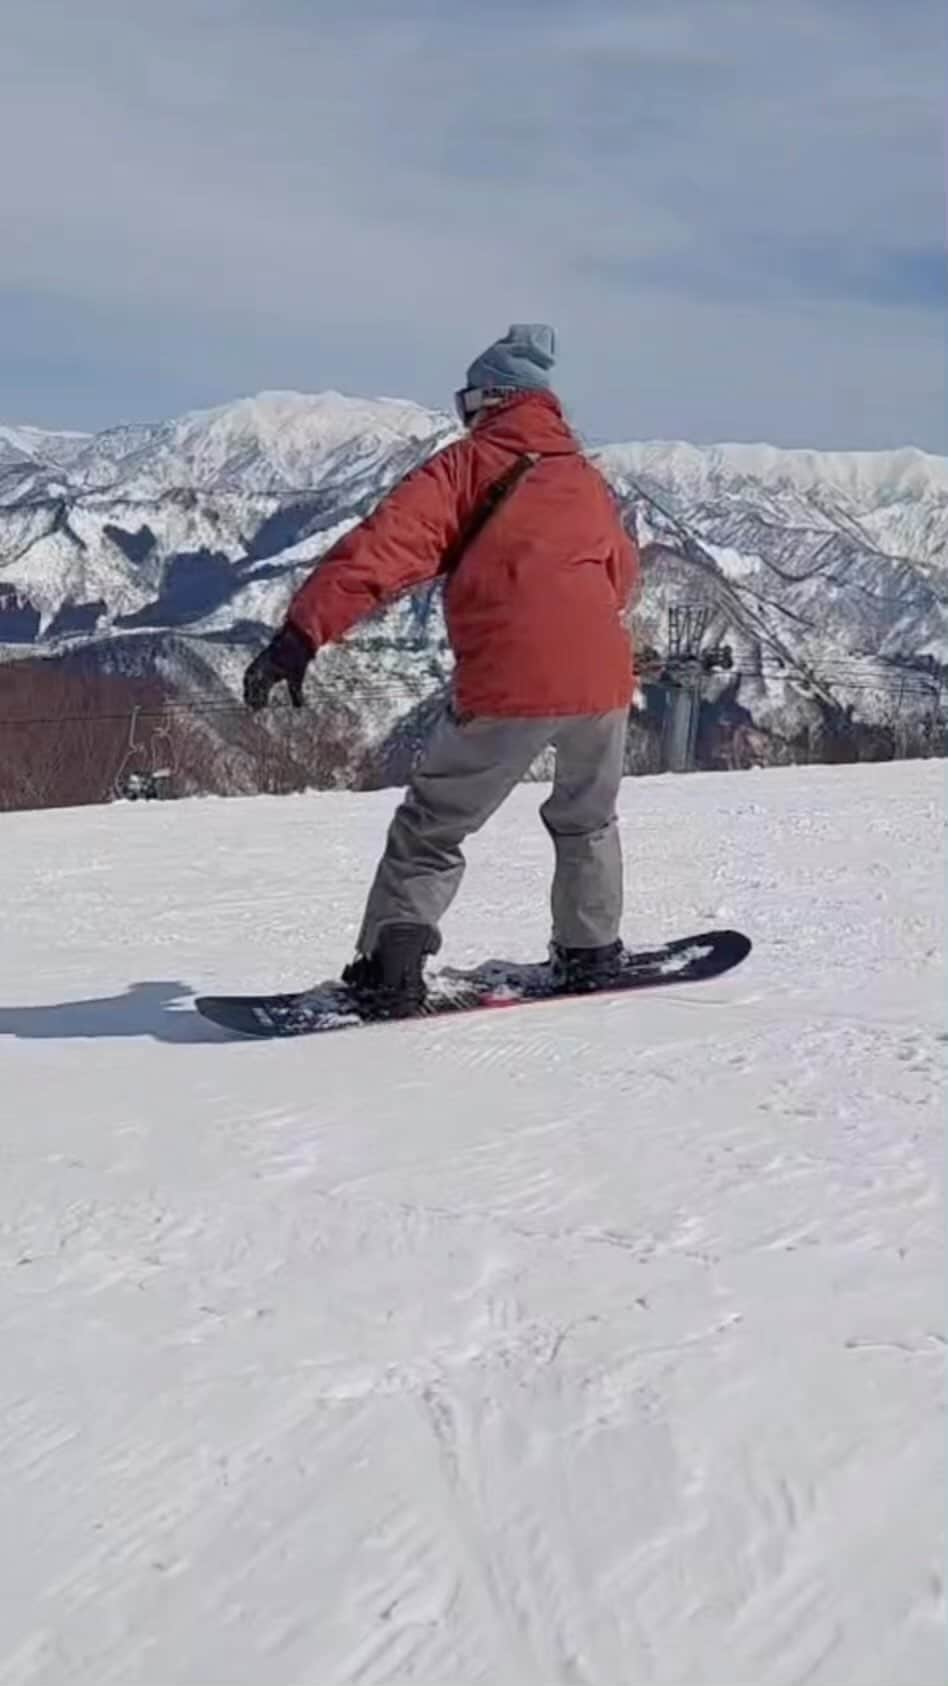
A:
(496, 984)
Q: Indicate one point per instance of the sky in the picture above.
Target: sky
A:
(730, 210)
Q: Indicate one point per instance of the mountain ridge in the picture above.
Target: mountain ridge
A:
(825, 574)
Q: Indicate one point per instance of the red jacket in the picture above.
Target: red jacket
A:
(533, 609)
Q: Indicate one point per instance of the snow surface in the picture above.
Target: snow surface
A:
(596, 1343)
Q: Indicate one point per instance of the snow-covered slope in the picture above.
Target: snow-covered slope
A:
(32, 458)
(824, 572)
(41, 445)
(275, 442)
(150, 508)
(596, 1343)
(897, 500)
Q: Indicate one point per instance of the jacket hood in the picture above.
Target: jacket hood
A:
(530, 421)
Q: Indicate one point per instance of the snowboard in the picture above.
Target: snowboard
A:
(495, 984)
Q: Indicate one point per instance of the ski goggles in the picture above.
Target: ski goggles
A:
(469, 401)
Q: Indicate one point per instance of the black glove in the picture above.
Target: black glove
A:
(286, 658)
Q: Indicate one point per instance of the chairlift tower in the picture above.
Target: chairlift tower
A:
(686, 665)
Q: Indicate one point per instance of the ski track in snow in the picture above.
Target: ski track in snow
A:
(597, 1344)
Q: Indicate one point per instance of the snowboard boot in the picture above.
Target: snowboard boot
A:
(576, 970)
(389, 983)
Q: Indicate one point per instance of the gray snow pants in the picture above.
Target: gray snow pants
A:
(468, 770)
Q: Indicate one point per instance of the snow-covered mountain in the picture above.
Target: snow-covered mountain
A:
(278, 442)
(825, 573)
(104, 522)
(896, 501)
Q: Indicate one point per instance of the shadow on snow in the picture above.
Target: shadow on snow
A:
(160, 1010)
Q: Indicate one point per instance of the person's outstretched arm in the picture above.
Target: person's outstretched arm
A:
(399, 546)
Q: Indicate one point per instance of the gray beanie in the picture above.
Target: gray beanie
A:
(520, 362)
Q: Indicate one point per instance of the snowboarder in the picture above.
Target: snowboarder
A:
(539, 571)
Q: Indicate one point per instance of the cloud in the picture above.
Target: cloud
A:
(777, 269)
(729, 210)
